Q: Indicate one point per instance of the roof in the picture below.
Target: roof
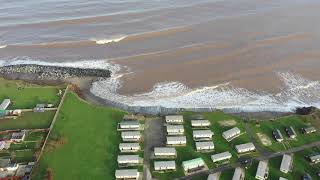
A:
(175, 127)
(262, 169)
(286, 163)
(315, 157)
(169, 150)
(165, 164)
(133, 122)
(176, 138)
(200, 122)
(202, 132)
(310, 129)
(174, 118)
(231, 132)
(221, 156)
(193, 163)
(5, 103)
(214, 176)
(17, 135)
(128, 145)
(237, 174)
(130, 133)
(282, 178)
(128, 158)
(4, 163)
(126, 172)
(204, 144)
(245, 146)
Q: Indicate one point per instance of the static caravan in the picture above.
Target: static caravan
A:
(221, 156)
(193, 165)
(18, 137)
(286, 163)
(5, 104)
(309, 130)
(165, 152)
(262, 170)
(200, 123)
(230, 134)
(127, 174)
(164, 165)
(277, 135)
(200, 135)
(204, 145)
(215, 176)
(128, 160)
(243, 148)
(129, 125)
(282, 178)
(314, 158)
(174, 119)
(130, 136)
(176, 140)
(175, 129)
(129, 147)
(238, 174)
(290, 132)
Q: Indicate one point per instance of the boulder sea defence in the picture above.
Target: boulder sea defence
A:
(40, 72)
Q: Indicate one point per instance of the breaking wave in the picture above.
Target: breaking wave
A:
(107, 41)
(297, 92)
(3, 46)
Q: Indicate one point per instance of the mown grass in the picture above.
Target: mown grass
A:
(83, 143)
(189, 152)
(24, 95)
(28, 120)
(297, 122)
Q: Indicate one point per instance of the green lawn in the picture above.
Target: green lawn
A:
(83, 143)
(295, 121)
(189, 152)
(24, 95)
(28, 120)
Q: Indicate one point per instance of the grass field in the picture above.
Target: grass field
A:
(28, 120)
(24, 95)
(83, 143)
(295, 121)
(221, 145)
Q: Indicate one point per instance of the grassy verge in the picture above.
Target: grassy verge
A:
(24, 95)
(28, 120)
(83, 143)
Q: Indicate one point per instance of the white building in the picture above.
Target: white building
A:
(193, 165)
(286, 163)
(5, 104)
(175, 129)
(164, 165)
(127, 174)
(262, 170)
(176, 140)
(215, 176)
(129, 125)
(231, 134)
(200, 123)
(129, 147)
(238, 174)
(18, 137)
(174, 119)
(221, 156)
(128, 159)
(202, 135)
(247, 147)
(2, 145)
(314, 158)
(130, 135)
(282, 178)
(165, 151)
(204, 145)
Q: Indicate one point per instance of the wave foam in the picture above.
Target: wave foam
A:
(3, 46)
(298, 92)
(107, 41)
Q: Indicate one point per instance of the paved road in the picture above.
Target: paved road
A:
(273, 155)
